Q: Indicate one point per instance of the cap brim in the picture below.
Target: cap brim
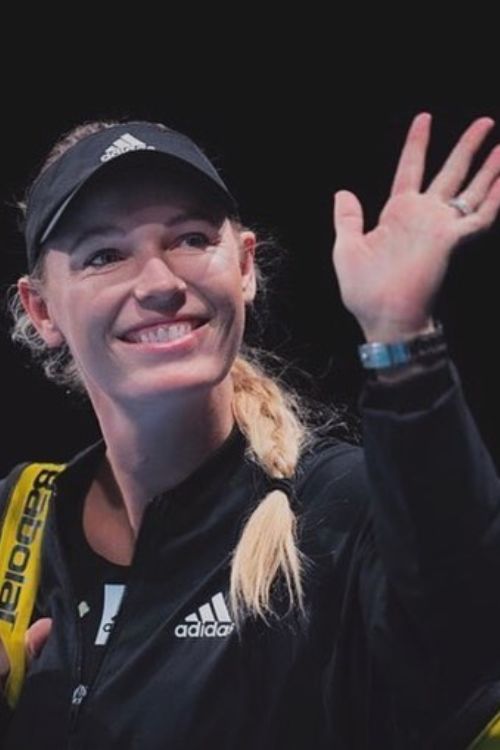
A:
(211, 186)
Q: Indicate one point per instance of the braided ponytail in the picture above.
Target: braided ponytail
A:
(266, 414)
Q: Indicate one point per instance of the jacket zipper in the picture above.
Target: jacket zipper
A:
(68, 586)
(78, 658)
(81, 692)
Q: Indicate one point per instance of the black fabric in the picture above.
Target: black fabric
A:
(401, 621)
(90, 573)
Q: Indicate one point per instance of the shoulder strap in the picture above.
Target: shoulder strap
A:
(20, 547)
(489, 738)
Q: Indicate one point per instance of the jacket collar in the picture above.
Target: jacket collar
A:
(210, 476)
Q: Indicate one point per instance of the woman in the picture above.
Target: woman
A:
(180, 602)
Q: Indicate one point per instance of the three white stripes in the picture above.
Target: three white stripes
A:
(126, 142)
(207, 614)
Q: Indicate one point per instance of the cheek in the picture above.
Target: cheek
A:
(235, 327)
(222, 285)
(231, 309)
(78, 320)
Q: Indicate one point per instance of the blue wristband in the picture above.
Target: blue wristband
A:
(423, 348)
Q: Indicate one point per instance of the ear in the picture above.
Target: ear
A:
(37, 309)
(248, 280)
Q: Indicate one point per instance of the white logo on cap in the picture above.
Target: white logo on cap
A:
(124, 143)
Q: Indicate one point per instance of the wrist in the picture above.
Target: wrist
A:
(394, 360)
(389, 333)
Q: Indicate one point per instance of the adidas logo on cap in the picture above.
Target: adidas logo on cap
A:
(212, 621)
(124, 143)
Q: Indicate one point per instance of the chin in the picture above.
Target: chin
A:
(171, 384)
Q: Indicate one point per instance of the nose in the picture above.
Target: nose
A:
(156, 284)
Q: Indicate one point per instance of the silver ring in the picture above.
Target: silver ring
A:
(461, 205)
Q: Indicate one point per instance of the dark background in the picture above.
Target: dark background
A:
(285, 137)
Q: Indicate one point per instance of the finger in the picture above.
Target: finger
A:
(478, 189)
(347, 214)
(36, 637)
(487, 211)
(454, 171)
(411, 165)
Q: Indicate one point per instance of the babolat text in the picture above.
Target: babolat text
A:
(30, 523)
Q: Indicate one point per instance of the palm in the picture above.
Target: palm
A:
(389, 276)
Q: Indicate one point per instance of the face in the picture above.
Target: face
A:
(146, 280)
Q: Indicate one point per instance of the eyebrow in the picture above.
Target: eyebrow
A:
(174, 221)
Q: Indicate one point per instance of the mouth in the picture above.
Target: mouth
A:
(163, 333)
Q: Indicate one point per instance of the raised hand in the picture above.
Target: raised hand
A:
(389, 276)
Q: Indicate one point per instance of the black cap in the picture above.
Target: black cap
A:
(54, 189)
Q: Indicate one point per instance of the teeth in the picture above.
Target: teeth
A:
(162, 333)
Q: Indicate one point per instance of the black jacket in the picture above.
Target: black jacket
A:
(401, 634)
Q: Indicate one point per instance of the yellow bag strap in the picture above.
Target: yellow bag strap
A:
(489, 737)
(20, 548)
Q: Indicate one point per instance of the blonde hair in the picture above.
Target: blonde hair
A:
(275, 420)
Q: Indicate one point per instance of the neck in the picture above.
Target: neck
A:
(155, 446)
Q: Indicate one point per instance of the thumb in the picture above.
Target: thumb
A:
(347, 213)
(36, 637)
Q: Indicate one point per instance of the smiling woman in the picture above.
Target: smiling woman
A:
(153, 267)
(309, 585)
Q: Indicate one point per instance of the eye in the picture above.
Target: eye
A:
(102, 257)
(195, 240)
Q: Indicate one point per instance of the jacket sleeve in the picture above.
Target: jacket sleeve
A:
(430, 566)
